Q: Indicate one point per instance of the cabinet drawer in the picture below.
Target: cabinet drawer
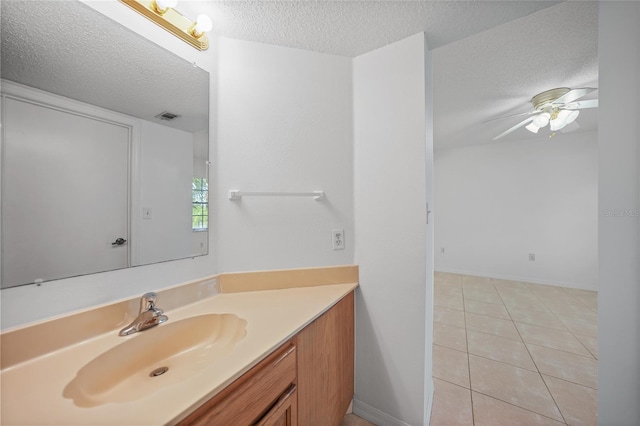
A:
(284, 412)
(249, 398)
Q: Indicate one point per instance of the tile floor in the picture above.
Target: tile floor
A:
(513, 353)
(353, 420)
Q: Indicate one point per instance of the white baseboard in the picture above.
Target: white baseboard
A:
(375, 416)
(427, 417)
(516, 278)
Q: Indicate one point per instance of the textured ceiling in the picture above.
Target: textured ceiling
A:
(351, 28)
(97, 61)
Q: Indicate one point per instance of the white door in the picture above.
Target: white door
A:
(64, 194)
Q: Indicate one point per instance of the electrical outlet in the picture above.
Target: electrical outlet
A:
(532, 257)
(337, 239)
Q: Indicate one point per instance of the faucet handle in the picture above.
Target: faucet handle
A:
(148, 301)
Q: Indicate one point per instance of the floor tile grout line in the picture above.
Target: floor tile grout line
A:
(451, 383)
(551, 375)
(449, 325)
(576, 337)
(568, 381)
(558, 319)
(590, 356)
(447, 347)
(446, 307)
(564, 352)
(580, 300)
(506, 363)
(538, 325)
(539, 373)
(492, 316)
(555, 329)
(485, 301)
(495, 335)
(518, 406)
(466, 336)
(557, 316)
(589, 350)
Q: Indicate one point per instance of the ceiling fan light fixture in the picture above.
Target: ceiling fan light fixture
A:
(556, 125)
(542, 120)
(563, 118)
(556, 107)
(571, 116)
(532, 127)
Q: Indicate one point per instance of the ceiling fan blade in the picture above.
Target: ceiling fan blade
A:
(510, 116)
(517, 126)
(591, 103)
(573, 94)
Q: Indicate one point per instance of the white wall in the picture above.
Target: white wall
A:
(497, 203)
(284, 125)
(166, 172)
(201, 154)
(391, 248)
(25, 304)
(618, 203)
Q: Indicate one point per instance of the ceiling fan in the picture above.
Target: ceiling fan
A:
(556, 107)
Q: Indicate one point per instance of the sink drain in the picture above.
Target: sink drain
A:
(159, 371)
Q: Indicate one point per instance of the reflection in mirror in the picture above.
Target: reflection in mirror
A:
(104, 146)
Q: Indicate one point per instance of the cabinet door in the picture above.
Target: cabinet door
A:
(326, 367)
(284, 413)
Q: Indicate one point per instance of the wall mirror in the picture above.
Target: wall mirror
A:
(104, 146)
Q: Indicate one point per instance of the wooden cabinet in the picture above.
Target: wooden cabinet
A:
(284, 412)
(256, 396)
(325, 366)
(308, 381)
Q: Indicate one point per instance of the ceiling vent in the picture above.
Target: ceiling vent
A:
(167, 116)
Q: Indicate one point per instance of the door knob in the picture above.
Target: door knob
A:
(119, 242)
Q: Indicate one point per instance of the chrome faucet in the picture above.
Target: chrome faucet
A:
(149, 315)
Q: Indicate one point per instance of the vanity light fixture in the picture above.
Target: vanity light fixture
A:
(162, 12)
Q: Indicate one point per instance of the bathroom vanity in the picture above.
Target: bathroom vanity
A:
(267, 348)
(307, 381)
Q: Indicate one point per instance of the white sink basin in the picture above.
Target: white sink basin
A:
(124, 372)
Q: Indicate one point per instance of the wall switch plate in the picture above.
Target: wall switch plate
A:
(337, 239)
(146, 213)
(532, 257)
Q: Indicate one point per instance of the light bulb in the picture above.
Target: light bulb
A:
(163, 5)
(564, 117)
(542, 120)
(203, 25)
(532, 127)
(571, 117)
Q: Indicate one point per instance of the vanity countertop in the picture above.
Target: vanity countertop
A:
(33, 391)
